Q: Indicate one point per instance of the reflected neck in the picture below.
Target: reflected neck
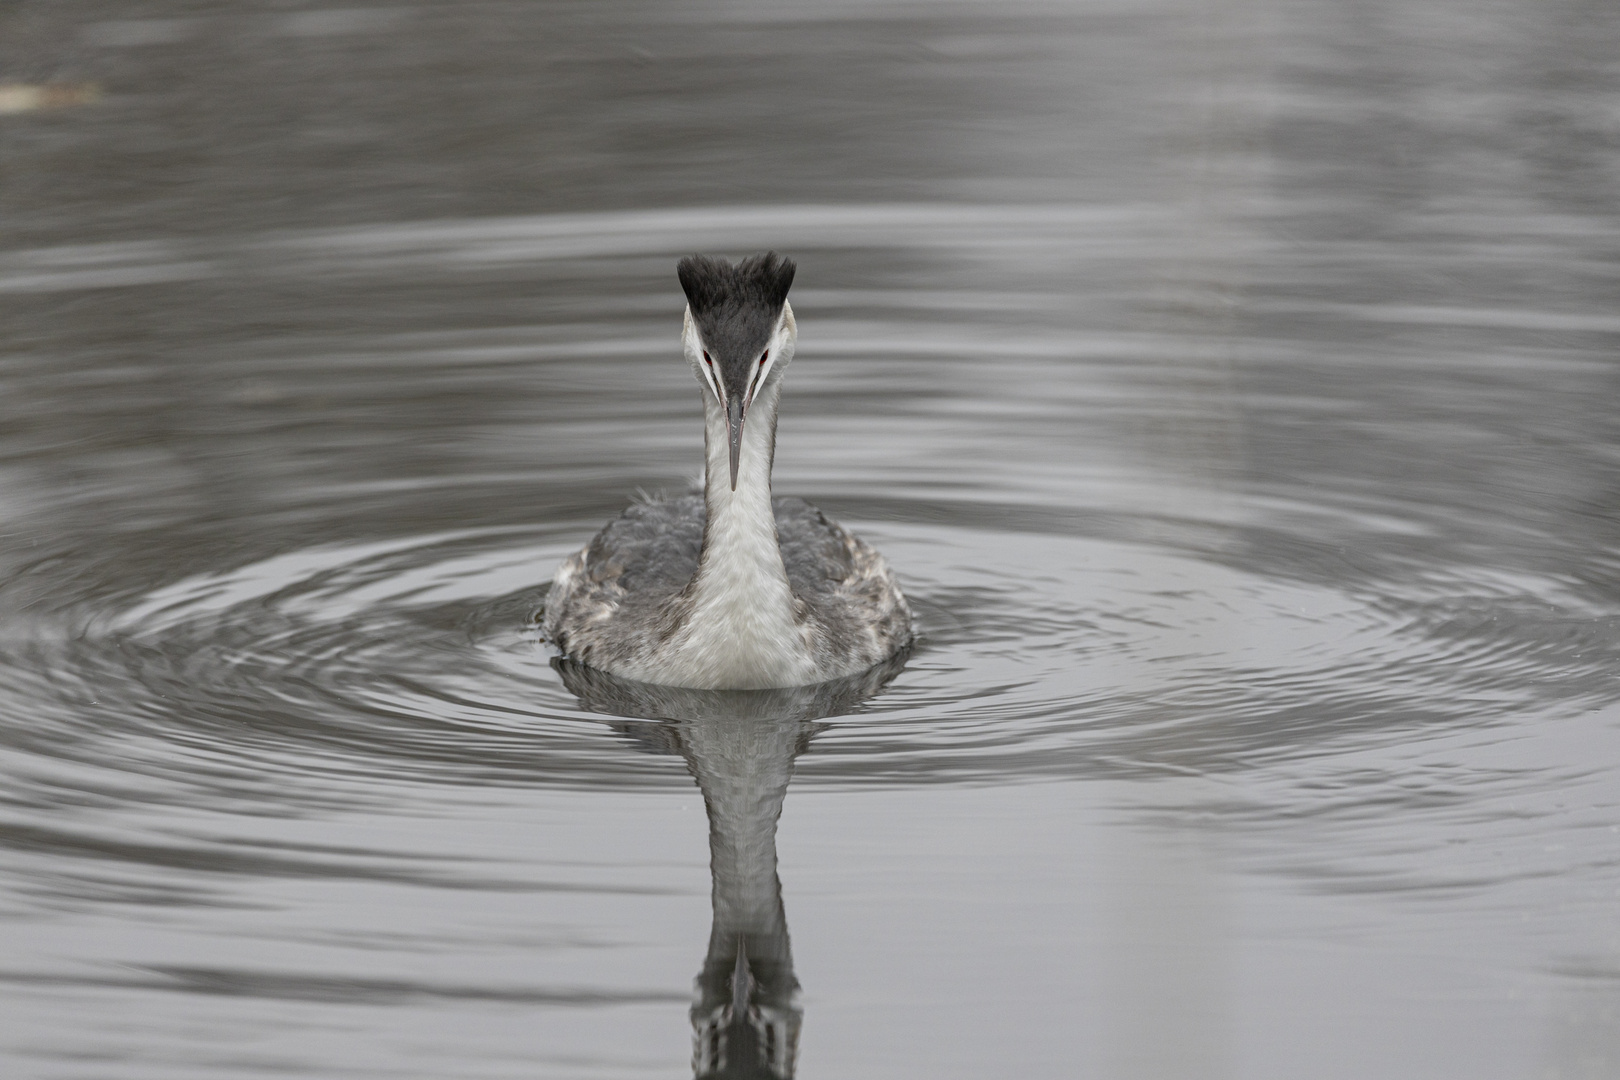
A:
(742, 765)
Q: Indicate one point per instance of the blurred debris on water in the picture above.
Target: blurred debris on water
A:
(25, 97)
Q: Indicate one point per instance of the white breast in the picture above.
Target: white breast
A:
(743, 628)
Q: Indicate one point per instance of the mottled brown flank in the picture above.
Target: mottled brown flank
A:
(625, 593)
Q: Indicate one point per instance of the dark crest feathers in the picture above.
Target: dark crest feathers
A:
(716, 288)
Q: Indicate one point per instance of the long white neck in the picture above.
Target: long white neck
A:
(740, 537)
(742, 630)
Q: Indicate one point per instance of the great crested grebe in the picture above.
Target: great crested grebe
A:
(733, 590)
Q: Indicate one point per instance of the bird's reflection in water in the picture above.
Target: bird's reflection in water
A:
(739, 746)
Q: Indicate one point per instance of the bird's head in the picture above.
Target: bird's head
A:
(739, 332)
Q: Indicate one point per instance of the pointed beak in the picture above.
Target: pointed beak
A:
(734, 418)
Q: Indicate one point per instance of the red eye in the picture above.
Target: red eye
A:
(764, 358)
(706, 359)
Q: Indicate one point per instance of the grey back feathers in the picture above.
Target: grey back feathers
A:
(616, 599)
(736, 307)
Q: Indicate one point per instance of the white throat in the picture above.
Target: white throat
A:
(742, 629)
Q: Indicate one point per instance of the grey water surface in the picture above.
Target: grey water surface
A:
(1234, 387)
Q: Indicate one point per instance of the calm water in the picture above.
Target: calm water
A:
(1233, 387)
